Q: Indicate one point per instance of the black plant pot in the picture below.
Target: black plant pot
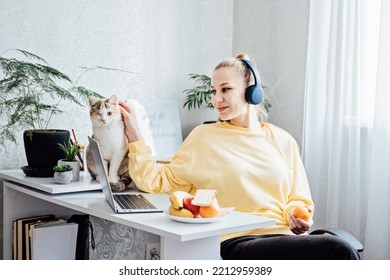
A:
(42, 151)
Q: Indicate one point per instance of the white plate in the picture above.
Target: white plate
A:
(224, 213)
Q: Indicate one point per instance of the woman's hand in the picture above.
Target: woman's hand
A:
(131, 127)
(297, 225)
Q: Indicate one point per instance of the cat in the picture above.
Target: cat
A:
(108, 131)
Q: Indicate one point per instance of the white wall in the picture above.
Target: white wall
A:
(162, 41)
(274, 33)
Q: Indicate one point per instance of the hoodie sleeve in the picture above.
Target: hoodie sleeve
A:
(150, 178)
(300, 191)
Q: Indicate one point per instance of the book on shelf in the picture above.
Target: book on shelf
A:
(28, 232)
(19, 234)
(54, 241)
(14, 241)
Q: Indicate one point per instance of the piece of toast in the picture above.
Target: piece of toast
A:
(204, 197)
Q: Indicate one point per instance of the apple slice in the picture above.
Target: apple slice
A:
(194, 209)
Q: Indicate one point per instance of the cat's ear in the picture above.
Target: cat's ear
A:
(113, 99)
(92, 100)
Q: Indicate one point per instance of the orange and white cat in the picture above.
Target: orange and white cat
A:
(108, 131)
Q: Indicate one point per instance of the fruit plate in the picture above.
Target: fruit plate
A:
(224, 213)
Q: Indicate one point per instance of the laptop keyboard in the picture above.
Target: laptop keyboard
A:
(128, 201)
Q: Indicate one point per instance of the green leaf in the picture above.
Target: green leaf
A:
(27, 85)
(62, 168)
(70, 150)
(31, 55)
(200, 95)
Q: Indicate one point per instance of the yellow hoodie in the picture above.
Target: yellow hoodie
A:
(257, 170)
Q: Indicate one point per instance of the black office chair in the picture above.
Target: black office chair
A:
(343, 234)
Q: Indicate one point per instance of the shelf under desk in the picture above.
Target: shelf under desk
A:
(178, 240)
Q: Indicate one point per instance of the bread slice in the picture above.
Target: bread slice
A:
(204, 197)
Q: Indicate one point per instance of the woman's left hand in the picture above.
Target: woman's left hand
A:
(131, 127)
(297, 225)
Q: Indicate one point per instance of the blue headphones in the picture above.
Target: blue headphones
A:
(254, 94)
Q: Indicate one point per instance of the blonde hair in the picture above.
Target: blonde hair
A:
(246, 74)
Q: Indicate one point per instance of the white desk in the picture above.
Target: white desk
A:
(47, 184)
(178, 240)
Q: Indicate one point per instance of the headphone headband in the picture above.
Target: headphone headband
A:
(252, 68)
(254, 94)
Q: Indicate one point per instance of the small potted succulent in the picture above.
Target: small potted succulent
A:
(63, 174)
(71, 150)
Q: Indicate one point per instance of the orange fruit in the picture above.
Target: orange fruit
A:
(208, 211)
(302, 212)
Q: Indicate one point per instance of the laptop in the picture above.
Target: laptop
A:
(129, 202)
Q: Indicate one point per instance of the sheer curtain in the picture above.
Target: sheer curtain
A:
(346, 146)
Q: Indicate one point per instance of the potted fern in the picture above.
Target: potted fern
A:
(30, 93)
(200, 95)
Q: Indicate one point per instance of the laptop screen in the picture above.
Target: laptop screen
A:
(101, 171)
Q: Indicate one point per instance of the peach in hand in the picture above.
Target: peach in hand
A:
(302, 212)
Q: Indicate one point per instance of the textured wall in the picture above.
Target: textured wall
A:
(161, 41)
(118, 242)
(274, 33)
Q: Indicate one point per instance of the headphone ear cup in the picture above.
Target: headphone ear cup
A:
(254, 94)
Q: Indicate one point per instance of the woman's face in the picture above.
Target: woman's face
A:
(228, 90)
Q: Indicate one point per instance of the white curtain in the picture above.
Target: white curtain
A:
(346, 146)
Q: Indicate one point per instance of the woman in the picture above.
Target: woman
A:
(254, 166)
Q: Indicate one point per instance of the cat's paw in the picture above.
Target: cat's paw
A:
(118, 187)
(97, 179)
(114, 179)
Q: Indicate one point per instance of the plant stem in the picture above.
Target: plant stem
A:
(51, 114)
